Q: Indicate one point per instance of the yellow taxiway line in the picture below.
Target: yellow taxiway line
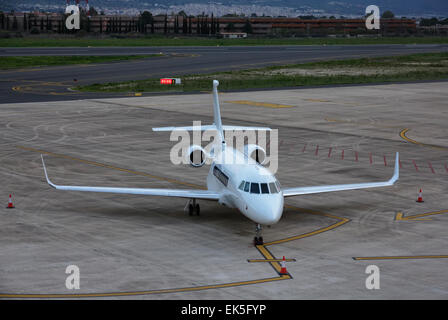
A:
(417, 217)
(146, 292)
(403, 136)
(401, 257)
(360, 123)
(317, 100)
(267, 255)
(260, 104)
(271, 260)
(312, 233)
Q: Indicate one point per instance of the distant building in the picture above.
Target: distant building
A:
(225, 27)
(232, 35)
(437, 30)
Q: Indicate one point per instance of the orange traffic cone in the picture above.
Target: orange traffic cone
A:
(420, 198)
(10, 205)
(283, 269)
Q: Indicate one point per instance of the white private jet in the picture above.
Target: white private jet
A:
(247, 186)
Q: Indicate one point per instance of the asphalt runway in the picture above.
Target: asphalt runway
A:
(150, 248)
(53, 83)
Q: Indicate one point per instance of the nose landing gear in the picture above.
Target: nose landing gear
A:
(258, 239)
(193, 207)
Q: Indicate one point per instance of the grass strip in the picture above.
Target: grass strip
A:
(39, 41)
(415, 67)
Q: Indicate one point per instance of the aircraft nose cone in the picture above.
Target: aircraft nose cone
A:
(270, 211)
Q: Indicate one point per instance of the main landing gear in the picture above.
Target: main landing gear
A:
(193, 207)
(258, 239)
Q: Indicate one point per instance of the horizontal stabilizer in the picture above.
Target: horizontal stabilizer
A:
(211, 127)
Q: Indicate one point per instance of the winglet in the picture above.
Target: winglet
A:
(396, 169)
(46, 175)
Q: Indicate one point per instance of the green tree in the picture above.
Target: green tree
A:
(429, 22)
(15, 25)
(388, 14)
(50, 25)
(247, 27)
(144, 19)
(2, 18)
(184, 25)
(230, 27)
(92, 12)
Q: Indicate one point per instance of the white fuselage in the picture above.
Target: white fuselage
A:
(247, 186)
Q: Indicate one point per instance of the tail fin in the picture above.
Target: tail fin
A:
(216, 110)
(217, 125)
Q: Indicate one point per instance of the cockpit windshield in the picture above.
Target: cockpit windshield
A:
(254, 187)
(260, 188)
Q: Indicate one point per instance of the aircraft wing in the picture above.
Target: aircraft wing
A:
(180, 193)
(289, 192)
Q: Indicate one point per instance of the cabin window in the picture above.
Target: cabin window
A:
(220, 176)
(241, 187)
(273, 187)
(264, 188)
(255, 188)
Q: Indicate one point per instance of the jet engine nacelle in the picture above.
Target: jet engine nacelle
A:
(197, 156)
(255, 152)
